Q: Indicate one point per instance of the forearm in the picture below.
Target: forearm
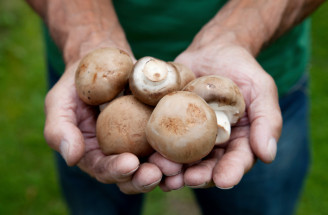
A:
(253, 24)
(78, 25)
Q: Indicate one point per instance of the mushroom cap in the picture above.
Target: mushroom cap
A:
(221, 93)
(186, 75)
(102, 74)
(151, 79)
(182, 127)
(121, 127)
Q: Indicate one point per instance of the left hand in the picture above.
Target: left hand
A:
(255, 135)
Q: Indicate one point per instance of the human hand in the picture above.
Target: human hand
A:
(254, 136)
(70, 125)
(70, 129)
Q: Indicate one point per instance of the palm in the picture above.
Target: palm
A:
(86, 121)
(71, 129)
(250, 136)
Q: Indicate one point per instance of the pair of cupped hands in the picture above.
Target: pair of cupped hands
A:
(70, 127)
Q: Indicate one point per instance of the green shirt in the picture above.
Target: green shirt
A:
(163, 29)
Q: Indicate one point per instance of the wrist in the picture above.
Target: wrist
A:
(232, 36)
(249, 24)
(78, 27)
(252, 38)
(82, 41)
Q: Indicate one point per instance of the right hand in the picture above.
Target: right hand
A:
(70, 129)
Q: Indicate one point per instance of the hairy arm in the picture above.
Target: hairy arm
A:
(238, 31)
(77, 26)
(227, 45)
(254, 24)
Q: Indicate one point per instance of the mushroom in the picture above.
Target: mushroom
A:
(224, 97)
(151, 79)
(182, 127)
(102, 74)
(186, 75)
(121, 127)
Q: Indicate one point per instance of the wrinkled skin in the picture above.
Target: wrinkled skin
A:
(71, 129)
(256, 133)
(226, 45)
(75, 137)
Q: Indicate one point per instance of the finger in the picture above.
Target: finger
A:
(200, 174)
(60, 131)
(109, 169)
(266, 121)
(172, 183)
(236, 161)
(145, 179)
(168, 168)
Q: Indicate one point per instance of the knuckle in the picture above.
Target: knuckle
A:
(107, 174)
(102, 174)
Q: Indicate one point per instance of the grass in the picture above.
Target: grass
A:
(28, 183)
(315, 199)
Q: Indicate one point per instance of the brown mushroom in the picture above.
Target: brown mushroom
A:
(182, 127)
(121, 127)
(186, 75)
(224, 97)
(102, 74)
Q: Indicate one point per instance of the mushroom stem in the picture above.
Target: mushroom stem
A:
(223, 122)
(155, 70)
(224, 129)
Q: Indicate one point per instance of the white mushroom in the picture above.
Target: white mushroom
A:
(151, 79)
(224, 97)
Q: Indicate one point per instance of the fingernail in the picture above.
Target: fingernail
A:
(178, 188)
(272, 148)
(225, 188)
(197, 186)
(152, 184)
(131, 172)
(174, 174)
(64, 150)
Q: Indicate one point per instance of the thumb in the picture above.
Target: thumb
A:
(66, 139)
(60, 131)
(266, 121)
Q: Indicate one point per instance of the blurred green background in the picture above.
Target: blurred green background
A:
(28, 183)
